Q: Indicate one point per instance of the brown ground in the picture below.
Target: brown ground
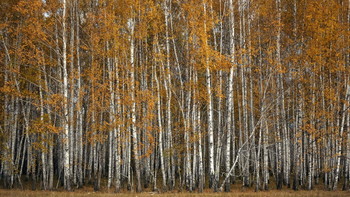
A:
(234, 193)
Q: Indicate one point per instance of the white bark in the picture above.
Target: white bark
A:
(200, 150)
(43, 152)
(112, 124)
(230, 101)
(265, 128)
(65, 135)
(188, 170)
(340, 137)
(280, 107)
(71, 99)
(347, 161)
(160, 132)
(133, 108)
(210, 109)
(79, 134)
(167, 86)
(194, 133)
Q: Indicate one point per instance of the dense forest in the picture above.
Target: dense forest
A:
(175, 94)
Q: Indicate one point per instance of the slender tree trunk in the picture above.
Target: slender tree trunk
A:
(197, 128)
(169, 134)
(50, 145)
(133, 110)
(71, 99)
(212, 183)
(245, 126)
(230, 101)
(340, 137)
(65, 135)
(188, 169)
(347, 160)
(43, 152)
(194, 134)
(160, 136)
(79, 133)
(111, 137)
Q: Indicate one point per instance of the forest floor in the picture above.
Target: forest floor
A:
(233, 193)
(236, 191)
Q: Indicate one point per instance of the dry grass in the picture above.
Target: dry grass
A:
(234, 193)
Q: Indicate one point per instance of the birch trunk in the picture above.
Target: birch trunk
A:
(245, 126)
(340, 137)
(219, 135)
(79, 134)
(43, 152)
(71, 87)
(188, 169)
(230, 101)
(200, 144)
(280, 109)
(4, 163)
(167, 86)
(65, 135)
(266, 155)
(347, 161)
(112, 123)
(194, 134)
(210, 109)
(51, 139)
(160, 133)
(133, 110)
